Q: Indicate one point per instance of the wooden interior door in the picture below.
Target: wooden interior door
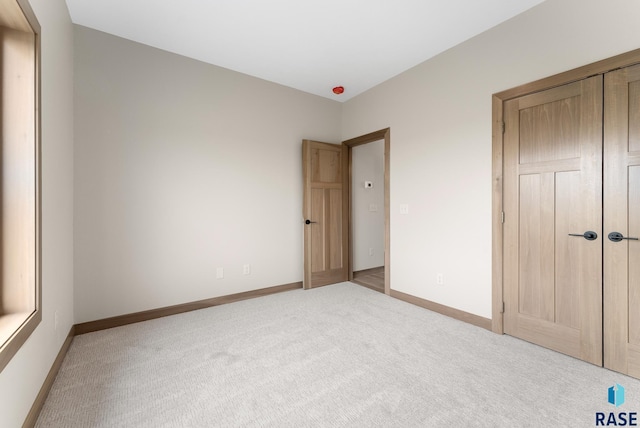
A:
(325, 212)
(553, 188)
(622, 215)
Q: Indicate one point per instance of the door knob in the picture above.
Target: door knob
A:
(617, 237)
(309, 221)
(589, 235)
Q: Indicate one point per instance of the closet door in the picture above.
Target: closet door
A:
(622, 215)
(553, 189)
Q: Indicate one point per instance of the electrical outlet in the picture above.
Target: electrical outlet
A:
(404, 208)
(440, 279)
(219, 273)
(246, 269)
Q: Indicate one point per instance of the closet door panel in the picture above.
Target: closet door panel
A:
(553, 190)
(622, 215)
(634, 256)
(634, 116)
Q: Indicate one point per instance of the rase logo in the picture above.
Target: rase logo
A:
(620, 419)
(616, 395)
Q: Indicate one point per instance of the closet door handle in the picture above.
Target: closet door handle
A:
(309, 222)
(617, 237)
(589, 235)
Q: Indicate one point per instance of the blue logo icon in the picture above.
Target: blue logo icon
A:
(616, 395)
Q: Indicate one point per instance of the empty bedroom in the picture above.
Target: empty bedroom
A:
(333, 214)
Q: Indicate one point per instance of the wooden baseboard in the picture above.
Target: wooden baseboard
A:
(103, 324)
(444, 310)
(32, 417)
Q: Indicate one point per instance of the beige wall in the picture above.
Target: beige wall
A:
(440, 118)
(21, 380)
(182, 167)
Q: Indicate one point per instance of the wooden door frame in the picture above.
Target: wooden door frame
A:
(497, 130)
(383, 134)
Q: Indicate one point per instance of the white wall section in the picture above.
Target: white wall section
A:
(367, 209)
(183, 167)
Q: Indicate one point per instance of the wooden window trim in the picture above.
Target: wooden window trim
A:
(16, 327)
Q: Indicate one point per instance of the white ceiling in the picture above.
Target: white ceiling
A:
(310, 45)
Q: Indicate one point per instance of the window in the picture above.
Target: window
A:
(20, 301)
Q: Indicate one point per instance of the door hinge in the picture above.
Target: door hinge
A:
(502, 217)
(502, 311)
(502, 126)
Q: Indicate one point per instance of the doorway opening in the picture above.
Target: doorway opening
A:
(369, 210)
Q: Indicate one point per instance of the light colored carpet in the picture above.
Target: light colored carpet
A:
(337, 356)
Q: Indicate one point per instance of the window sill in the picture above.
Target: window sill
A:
(10, 324)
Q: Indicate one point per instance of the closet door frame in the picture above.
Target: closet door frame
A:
(498, 100)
